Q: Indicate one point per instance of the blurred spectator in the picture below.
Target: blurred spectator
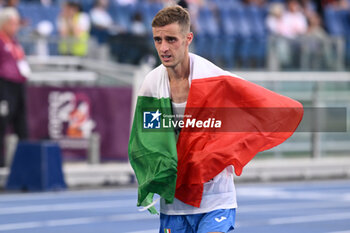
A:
(316, 50)
(101, 24)
(194, 8)
(74, 27)
(287, 26)
(100, 17)
(279, 45)
(134, 46)
(13, 73)
(275, 21)
(308, 8)
(137, 25)
(315, 27)
(294, 20)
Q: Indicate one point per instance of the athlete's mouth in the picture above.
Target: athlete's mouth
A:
(166, 56)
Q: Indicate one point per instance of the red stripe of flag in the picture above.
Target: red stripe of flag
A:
(203, 154)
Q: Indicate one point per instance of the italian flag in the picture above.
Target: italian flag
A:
(167, 231)
(253, 119)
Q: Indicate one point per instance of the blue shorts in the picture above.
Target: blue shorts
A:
(222, 220)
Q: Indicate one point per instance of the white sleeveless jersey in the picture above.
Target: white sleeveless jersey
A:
(218, 193)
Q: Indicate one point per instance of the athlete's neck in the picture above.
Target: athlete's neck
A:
(181, 71)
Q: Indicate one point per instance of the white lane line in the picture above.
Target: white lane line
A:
(75, 221)
(340, 231)
(15, 226)
(145, 231)
(289, 206)
(15, 197)
(67, 207)
(70, 222)
(276, 193)
(309, 218)
(132, 203)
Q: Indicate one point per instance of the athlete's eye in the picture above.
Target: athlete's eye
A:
(171, 39)
(157, 39)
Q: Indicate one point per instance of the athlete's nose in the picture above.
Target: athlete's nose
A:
(164, 47)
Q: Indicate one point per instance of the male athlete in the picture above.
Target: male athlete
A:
(192, 171)
(172, 38)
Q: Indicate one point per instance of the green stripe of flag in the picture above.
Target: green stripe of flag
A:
(153, 154)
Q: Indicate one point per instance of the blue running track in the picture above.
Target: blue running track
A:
(295, 207)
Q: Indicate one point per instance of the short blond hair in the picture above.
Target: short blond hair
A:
(7, 13)
(173, 14)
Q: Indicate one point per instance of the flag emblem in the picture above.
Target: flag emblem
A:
(166, 230)
(151, 120)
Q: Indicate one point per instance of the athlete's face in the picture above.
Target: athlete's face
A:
(171, 44)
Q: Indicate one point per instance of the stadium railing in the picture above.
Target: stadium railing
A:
(306, 53)
(313, 89)
(317, 91)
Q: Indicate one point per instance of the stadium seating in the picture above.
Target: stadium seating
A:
(149, 10)
(256, 18)
(207, 34)
(35, 13)
(227, 32)
(337, 23)
(345, 19)
(245, 35)
(121, 15)
(333, 22)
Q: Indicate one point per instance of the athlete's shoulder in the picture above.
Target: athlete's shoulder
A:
(153, 82)
(203, 68)
(156, 73)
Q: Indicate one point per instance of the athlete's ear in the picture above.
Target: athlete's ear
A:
(189, 38)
